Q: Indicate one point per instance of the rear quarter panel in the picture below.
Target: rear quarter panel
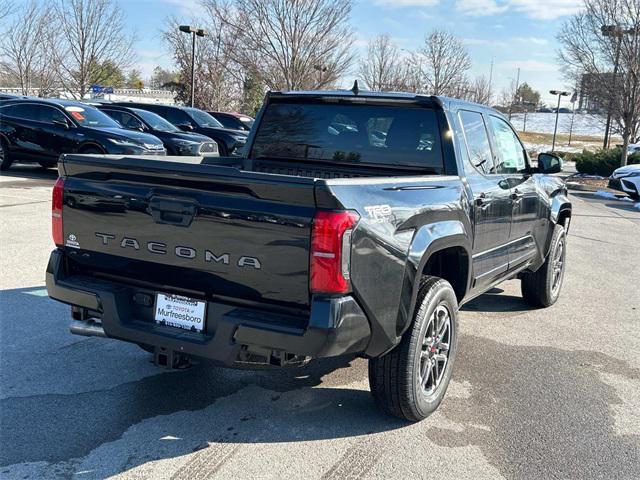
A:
(400, 219)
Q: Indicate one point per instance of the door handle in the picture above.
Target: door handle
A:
(517, 195)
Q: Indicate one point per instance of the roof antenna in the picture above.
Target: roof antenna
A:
(355, 88)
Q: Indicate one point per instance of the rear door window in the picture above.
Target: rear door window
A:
(477, 140)
(25, 111)
(357, 134)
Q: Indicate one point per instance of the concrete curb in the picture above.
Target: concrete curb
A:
(580, 186)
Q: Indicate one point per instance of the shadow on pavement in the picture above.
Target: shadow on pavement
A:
(555, 407)
(220, 404)
(496, 301)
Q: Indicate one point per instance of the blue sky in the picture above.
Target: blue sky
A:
(514, 33)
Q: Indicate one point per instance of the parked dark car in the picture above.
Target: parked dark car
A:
(39, 130)
(10, 96)
(230, 142)
(318, 242)
(234, 120)
(175, 141)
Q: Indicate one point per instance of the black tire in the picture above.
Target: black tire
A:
(396, 379)
(542, 287)
(5, 157)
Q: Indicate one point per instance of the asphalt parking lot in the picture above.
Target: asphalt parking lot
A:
(549, 393)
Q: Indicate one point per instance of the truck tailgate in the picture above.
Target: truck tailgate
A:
(215, 230)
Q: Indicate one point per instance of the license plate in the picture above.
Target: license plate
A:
(180, 312)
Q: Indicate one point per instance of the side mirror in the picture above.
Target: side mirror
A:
(187, 127)
(62, 122)
(549, 163)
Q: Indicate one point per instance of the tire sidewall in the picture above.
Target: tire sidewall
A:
(6, 160)
(442, 294)
(559, 235)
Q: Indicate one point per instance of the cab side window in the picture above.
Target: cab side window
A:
(477, 141)
(511, 156)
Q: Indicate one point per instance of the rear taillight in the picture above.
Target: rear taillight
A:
(331, 251)
(56, 212)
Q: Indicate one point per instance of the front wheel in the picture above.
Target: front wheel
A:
(410, 381)
(5, 158)
(542, 287)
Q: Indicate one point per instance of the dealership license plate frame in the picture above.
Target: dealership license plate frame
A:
(178, 303)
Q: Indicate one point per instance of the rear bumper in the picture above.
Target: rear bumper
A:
(335, 326)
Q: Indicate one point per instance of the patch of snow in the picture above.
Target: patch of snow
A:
(583, 123)
(546, 147)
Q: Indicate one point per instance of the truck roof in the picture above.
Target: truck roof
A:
(446, 103)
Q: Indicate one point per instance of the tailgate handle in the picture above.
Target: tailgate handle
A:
(172, 211)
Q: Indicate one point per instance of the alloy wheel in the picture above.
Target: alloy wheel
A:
(557, 267)
(434, 356)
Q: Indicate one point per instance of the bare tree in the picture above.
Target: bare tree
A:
(291, 44)
(6, 8)
(441, 64)
(219, 77)
(482, 92)
(92, 34)
(24, 47)
(590, 57)
(383, 68)
(507, 94)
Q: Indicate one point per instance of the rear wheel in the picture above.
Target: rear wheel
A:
(410, 381)
(542, 287)
(5, 157)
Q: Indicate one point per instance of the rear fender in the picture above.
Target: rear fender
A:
(560, 206)
(427, 240)
(560, 212)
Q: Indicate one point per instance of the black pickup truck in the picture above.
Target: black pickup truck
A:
(356, 223)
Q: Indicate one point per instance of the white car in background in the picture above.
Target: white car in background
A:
(627, 180)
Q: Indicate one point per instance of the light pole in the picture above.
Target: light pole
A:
(194, 32)
(515, 93)
(560, 94)
(574, 97)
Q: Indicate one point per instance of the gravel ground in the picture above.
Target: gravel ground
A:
(551, 393)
